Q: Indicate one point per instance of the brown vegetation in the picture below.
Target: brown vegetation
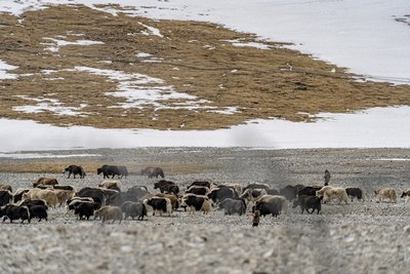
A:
(196, 59)
(90, 167)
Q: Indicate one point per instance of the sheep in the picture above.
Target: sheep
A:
(109, 213)
(329, 193)
(386, 193)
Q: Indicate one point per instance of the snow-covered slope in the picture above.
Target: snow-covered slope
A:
(361, 35)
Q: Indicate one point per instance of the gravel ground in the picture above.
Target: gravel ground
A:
(361, 237)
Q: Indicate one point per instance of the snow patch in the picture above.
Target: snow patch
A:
(151, 30)
(49, 104)
(226, 111)
(141, 90)
(56, 44)
(143, 55)
(240, 43)
(4, 68)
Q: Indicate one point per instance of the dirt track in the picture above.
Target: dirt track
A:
(361, 237)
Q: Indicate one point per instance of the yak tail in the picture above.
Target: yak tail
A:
(169, 206)
(145, 203)
(243, 204)
(28, 213)
(285, 206)
(144, 211)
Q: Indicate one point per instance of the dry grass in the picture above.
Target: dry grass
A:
(90, 167)
(262, 87)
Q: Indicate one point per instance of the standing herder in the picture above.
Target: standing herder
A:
(256, 218)
(327, 177)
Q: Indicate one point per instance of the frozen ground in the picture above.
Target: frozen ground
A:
(378, 127)
(361, 237)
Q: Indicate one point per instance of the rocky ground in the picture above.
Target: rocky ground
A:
(361, 237)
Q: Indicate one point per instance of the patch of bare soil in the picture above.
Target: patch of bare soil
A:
(194, 57)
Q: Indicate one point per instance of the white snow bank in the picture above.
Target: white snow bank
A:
(377, 127)
(43, 155)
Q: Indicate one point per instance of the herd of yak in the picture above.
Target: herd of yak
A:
(108, 201)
